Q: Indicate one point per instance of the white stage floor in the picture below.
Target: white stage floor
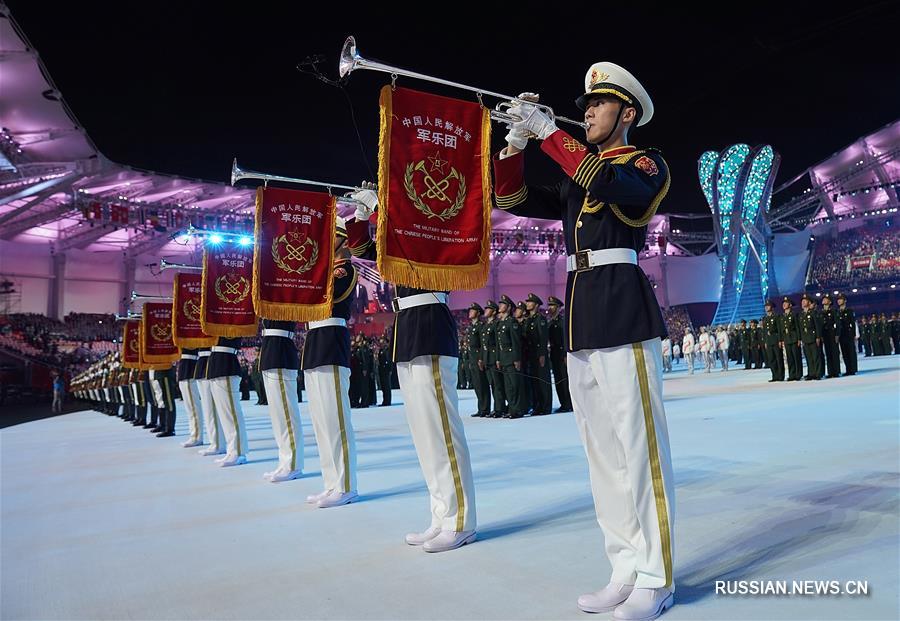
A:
(789, 481)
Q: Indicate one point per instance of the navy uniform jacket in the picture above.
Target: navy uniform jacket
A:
(606, 201)
(847, 321)
(278, 352)
(200, 367)
(221, 364)
(186, 366)
(419, 331)
(331, 344)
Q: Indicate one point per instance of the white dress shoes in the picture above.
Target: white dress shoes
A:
(606, 599)
(232, 461)
(418, 539)
(191, 443)
(644, 605)
(278, 477)
(210, 451)
(449, 540)
(335, 498)
(315, 498)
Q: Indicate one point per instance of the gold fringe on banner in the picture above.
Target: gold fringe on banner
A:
(125, 363)
(142, 366)
(289, 311)
(403, 271)
(186, 343)
(152, 359)
(221, 329)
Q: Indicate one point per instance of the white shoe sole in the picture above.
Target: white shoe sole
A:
(416, 542)
(281, 479)
(459, 544)
(343, 502)
(596, 609)
(237, 462)
(663, 606)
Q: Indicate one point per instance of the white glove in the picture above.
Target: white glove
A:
(368, 201)
(517, 137)
(534, 120)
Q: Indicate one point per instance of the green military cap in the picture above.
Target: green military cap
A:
(492, 304)
(788, 300)
(770, 303)
(807, 297)
(533, 298)
(521, 307)
(841, 296)
(554, 301)
(743, 321)
(505, 299)
(476, 307)
(826, 297)
(752, 321)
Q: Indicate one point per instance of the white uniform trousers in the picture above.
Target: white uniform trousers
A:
(723, 356)
(689, 358)
(226, 394)
(281, 391)
(617, 398)
(190, 393)
(428, 385)
(707, 360)
(158, 397)
(210, 418)
(329, 408)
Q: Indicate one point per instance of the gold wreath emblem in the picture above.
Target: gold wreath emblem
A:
(232, 291)
(296, 259)
(133, 346)
(161, 333)
(191, 309)
(437, 190)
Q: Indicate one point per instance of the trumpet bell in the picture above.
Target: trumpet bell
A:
(349, 57)
(236, 172)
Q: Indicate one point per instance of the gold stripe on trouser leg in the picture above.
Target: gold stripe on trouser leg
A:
(237, 428)
(168, 393)
(287, 419)
(448, 440)
(659, 491)
(345, 448)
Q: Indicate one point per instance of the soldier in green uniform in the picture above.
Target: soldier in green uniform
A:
(744, 338)
(557, 345)
(462, 366)
(831, 337)
(886, 349)
(894, 325)
(755, 336)
(771, 329)
(820, 318)
(509, 354)
(520, 314)
(847, 321)
(790, 340)
(811, 336)
(866, 336)
(876, 335)
(536, 338)
(489, 354)
(476, 361)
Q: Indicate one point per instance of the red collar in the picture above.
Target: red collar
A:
(617, 151)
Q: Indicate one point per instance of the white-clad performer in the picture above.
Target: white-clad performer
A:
(723, 345)
(211, 423)
(705, 349)
(223, 372)
(667, 354)
(190, 394)
(687, 348)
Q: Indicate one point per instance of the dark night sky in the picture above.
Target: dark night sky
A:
(185, 87)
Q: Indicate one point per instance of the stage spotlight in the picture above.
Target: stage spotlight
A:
(215, 238)
(245, 241)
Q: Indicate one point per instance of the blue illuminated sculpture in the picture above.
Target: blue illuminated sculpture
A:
(737, 183)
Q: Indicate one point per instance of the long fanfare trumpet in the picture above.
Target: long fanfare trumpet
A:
(162, 298)
(130, 315)
(238, 173)
(166, 265)
(351, 60)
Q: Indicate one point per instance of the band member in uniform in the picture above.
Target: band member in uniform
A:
(425, 350)
(278, 363)
(771, 337)
(538, 364)
(489, 353)
(790, 340)
(847, 321)
(723, 343)
(326, 374)
(746, 347)
(615, 325)
(831, 336)
(476, 361)
(162, 381)
(211, 421)
(811, 336)
(385, 370)
(190, 394)
(687, 348)
(224, 374)
(557, 340)
(667, 354)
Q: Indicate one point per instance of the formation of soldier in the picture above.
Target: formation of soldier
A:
(514, 356)
(823, 337)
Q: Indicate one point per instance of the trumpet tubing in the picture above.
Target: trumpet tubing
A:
(238, 174)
